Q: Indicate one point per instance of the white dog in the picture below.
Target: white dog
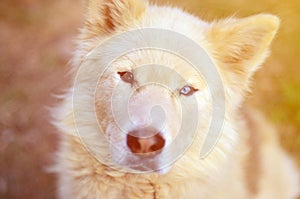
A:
(134, 124)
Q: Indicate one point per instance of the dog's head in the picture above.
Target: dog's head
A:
(150, 103)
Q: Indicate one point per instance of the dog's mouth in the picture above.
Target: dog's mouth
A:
(158, 170)
(140, 162)
(150, 163)
(147, 165)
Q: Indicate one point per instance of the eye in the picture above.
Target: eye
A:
(188, 90)
(126, 76)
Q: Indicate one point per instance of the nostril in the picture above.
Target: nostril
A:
(133, 143)
(158, 144)
(145, 145)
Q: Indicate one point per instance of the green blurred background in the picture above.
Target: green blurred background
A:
(35, 46)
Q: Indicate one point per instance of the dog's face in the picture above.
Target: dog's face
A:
(146, 99)
(146, 95)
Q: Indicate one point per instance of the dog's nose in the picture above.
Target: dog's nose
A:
(142, 145)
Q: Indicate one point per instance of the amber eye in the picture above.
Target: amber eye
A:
(126, 76)
(188, 90)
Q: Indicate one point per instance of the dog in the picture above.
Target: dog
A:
(133, 124)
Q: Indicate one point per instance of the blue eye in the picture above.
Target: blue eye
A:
(187, 90)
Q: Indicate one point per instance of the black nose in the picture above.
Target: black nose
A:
(137, 141)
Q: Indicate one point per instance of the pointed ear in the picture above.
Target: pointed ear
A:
(239, 46)
(105, 16)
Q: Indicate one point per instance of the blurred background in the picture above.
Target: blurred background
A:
(36, 41)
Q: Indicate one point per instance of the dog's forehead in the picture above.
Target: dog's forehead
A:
(166, 67)
(176, 20)
(155, 65)
(180, 22)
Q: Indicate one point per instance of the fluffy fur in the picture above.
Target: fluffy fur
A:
(246, 162)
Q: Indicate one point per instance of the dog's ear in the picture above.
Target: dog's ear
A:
(239, 46)
(105, 16)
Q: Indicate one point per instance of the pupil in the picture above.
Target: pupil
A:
(186, 89)
(128, 76)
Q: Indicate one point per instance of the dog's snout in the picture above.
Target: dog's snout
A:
(142, 145)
